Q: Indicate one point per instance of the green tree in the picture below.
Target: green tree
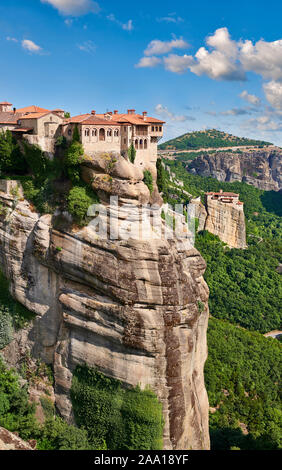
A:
(131, 153)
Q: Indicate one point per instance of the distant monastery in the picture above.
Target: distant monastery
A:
(110, 131)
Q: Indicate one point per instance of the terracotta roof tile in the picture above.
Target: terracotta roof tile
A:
(32, 109)
(9, 117)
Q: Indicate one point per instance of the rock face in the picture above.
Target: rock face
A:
(226, 220)
(261, 168)
(10, 441)
(136, 309)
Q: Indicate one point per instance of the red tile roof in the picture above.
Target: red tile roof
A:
(9, 117)
(32, 109)
(37, 115)
(6, 102)
(116, 119)
(223, 194)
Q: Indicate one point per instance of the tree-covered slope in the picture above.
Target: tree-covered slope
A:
(210, 138)
(243, 380)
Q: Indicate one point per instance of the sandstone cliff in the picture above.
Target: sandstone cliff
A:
(226, 220)
(129, 307)
(261, 168)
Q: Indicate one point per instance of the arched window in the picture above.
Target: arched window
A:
(160, 129)
(86, 132)
(145, 143)
(102, 134)
(116, 133)
(141, 144)
(136, 143)
(109, 132)
(153, 128)
(94, 132)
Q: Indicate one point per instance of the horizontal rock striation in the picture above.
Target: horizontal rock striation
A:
(261, 168)
(129, 307)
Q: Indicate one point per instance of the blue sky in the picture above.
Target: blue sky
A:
(194, 64)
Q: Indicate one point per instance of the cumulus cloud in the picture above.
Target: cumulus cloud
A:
(30, 46)
(148, 62)
(273, 93)
(262, 123)
(263, 58)
(252, 99)
(165, 113)
(177, 63)
(74, 7)
(157, 47)
(220, 63)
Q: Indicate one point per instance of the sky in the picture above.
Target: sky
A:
(196, 65)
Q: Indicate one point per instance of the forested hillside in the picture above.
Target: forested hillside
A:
(211, 138)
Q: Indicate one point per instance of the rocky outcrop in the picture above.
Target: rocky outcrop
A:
(226, 220)
(261, 168)
(10, 441)
(127, 306)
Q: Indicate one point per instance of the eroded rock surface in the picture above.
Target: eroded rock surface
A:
(261, 168)
(136, 309)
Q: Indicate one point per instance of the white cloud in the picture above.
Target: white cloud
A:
(87, 46)
(30, 46)
(126, 26)
(170, 18)
(74, 7)
(157, 47)
(165, 113)
(252, 99)
(8, 38)
(177, 63)
(235, 112)
(263, 58)
(221, 63)
(273, 93)
(262, 123)
(148, 62)
(68, 21)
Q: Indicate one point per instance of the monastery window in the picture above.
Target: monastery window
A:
(124, 141)
(145, 143)
(116, 133)
(102, 134)
(109, 132)
(86, 133)
(141, 144)
(136, 143)
(94, 132)
(153, 128)
(69, 132)
(160, 129)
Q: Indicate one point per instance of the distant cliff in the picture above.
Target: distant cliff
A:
(261, 168)
(224, 219)
(136, 310)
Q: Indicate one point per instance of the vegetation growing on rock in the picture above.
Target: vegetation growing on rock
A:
(114, 416)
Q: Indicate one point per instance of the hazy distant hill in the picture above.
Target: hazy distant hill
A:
(208, 138)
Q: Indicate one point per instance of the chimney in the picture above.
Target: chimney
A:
(131, 111)
(110, 113)
(14, 109)
(115, 111)
(93, 112)
(144, 115)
